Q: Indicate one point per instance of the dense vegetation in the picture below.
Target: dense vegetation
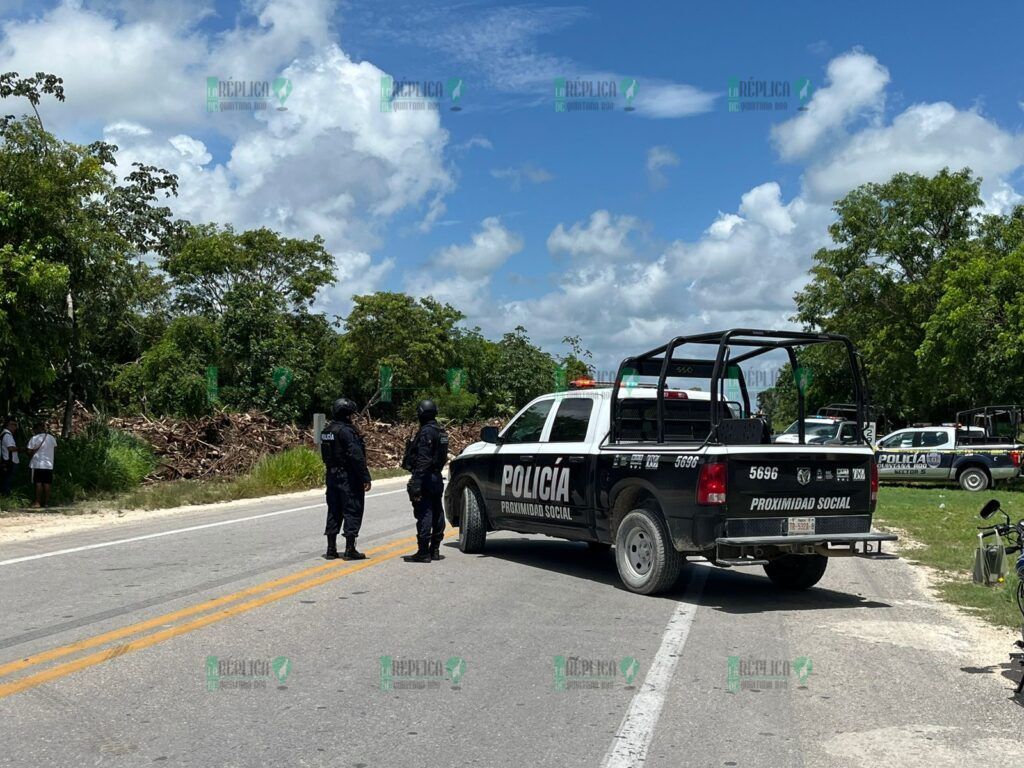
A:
(931, 290)
(107, 298)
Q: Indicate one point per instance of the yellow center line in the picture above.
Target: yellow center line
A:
(167, 618)
(61, 670)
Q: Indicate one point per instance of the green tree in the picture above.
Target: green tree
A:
(895, 245)
(974, 341)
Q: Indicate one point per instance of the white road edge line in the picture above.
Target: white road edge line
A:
(629, 747)
(102, 544)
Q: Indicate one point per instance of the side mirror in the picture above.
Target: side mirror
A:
(989, 509)
(490, 435)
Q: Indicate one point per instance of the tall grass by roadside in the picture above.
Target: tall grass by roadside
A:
(945, 521)
(100, 461)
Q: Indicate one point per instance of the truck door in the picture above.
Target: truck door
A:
(896, 457)
(566, 450)
(935, 445)
(512, 468)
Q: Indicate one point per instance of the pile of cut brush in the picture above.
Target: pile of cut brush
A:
(227, 444)
(385, 441)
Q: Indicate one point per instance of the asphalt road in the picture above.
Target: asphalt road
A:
(233, 644)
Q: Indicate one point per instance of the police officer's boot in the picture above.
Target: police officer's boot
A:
(351, 553)
(422, 553)
(435, 550)
(332, 548)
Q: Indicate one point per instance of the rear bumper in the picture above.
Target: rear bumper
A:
(758, 550)
(811, 538)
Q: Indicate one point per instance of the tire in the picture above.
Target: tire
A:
(973, 479)
(647, 561)
(796, 571)
(471, 524)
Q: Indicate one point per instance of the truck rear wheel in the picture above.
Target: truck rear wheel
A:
(973, 479)
(644, 555)
(471, 524)
(796, 571)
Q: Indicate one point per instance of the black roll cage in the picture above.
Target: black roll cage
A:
(661, 361)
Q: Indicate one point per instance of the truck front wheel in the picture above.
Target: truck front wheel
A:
(796, 571)
(973, 479)
(471, 523)
(644, 555)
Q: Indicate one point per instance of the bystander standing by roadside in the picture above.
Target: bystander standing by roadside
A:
(41, 447)
(8, 455)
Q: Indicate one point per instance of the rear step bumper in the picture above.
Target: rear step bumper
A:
(808, 538)
(749, 550)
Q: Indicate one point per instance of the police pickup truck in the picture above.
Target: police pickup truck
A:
(946, 454)
(663, 472)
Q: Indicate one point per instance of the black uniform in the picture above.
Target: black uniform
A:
(429, 453)
(344, 454)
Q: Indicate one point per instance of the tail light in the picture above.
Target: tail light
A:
(711, 484)
(874, 482)
(1015, 458)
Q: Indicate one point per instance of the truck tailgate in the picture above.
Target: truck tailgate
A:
(780, 493)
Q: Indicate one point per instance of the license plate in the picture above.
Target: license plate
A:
(800, 525)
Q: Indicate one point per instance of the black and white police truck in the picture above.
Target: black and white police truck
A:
(959, 453)
(663, 472)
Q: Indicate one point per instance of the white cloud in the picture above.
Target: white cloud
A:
(604, 237)
(489, 248)
(332, 164)
(923, 139)
(744, 269)
(516, 175)
(663, 100)
(466, 270)
(658, 158)
(856, 85)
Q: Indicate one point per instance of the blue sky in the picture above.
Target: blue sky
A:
(623, 227)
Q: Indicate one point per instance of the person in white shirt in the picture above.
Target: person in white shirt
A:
(41, 448)
(8, 455)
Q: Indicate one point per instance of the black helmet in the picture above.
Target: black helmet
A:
(426, 411)
(343, 408)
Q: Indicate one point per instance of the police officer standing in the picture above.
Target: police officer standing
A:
(427, 455)
(348, 479)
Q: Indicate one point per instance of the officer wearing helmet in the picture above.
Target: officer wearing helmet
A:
(426, 455)
(348, 479)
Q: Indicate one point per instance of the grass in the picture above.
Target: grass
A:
(297, 469)
(945, 521)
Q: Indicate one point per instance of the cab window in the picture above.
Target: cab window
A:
(899, 440)
(847, 434)
(933, 439)
(529, 426)
(571, 420)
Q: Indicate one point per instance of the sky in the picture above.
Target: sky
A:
(675, 208)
